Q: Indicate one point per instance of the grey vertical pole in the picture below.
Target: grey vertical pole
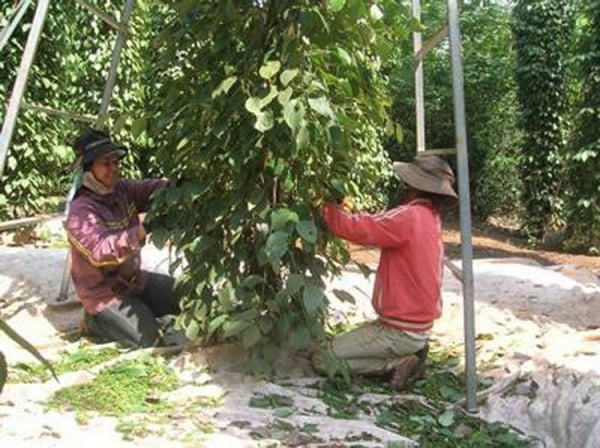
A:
(63, 293)
(465, 204)
(106, 97)
(419, 91)
(10, 28)
(14, 104)
(116, 55)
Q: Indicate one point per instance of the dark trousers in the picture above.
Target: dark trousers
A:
(133, 320)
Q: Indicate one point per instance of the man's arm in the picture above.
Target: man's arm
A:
(387, 229)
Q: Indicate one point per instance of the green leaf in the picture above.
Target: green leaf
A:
(344, 56)
(225, 296)
(235, 327)
(344, 296)
(192, 330)
(300, 338)
(264, 121)
(253, 105)
(3, 371)
(293, 114)
(336, 5)
(12, 334)
(280, 218)
(321, 106)
(376, 13)
(450, 394)
(273, 92)
(446, 419)
(303, 137)
(399, 134)
(250, 336)
(224, 87)
(365, 270)
(283, 412)
(138, 126)
(216, 323)
(307, 230)
(252, 281)
(269, 69)
(288, 75)
(119, 124)
(277, 246)
(313, 298)
(294, 283)
(416, 26)
(182, 143)
(285, 96)
(309, 428)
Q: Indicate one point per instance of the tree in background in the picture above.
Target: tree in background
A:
(266, 108)
(583, 218)
(542, 32)
(68, 73)
(490, 101)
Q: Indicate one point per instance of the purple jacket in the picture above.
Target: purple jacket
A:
(103, 233)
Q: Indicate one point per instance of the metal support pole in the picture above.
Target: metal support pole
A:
(63, 294)
(116, 55)
(20, 11)
(59, 113)
(433, 42)
(419, 92)
(105, 17)
(465, 204)
(19, 88)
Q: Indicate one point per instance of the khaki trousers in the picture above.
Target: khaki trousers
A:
(372, 348)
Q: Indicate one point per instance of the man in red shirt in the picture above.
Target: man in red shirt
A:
(407, 290)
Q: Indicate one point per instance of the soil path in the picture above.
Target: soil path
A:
(537, 339)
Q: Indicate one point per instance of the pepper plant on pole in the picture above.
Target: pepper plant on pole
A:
(267, 108)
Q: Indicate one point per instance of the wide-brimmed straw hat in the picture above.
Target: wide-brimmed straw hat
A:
(92, 144)
(427, 173)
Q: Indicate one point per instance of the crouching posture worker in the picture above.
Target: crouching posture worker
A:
(407, 290)
(121, 302)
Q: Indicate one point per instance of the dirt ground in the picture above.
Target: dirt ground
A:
(537, 333)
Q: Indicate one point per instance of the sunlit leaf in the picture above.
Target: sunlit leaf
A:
(321, 106)
(288, 75)
(269, 69)
(224, 87)
(446, 418)
(336, 5)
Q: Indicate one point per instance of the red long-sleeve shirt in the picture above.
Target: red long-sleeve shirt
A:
(105, 249)
(407, 290)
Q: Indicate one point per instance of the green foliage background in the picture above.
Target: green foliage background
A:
(69, 72)
(541, 81)
(490, 101)
(583, 201)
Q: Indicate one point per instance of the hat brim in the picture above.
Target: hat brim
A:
(421, 180)
(108, 148)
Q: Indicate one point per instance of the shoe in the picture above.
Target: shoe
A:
(422, 355)
(404, 370)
